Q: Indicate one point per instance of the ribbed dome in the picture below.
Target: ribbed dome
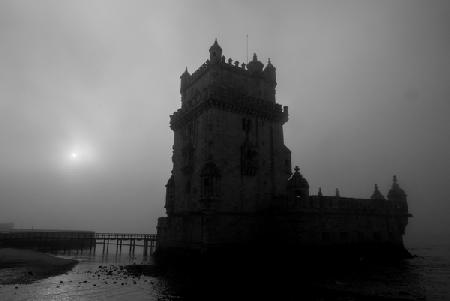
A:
(297, 180)
(376, 195)
(255, 65)
(396, 192)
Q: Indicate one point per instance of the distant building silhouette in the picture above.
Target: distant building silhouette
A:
(232, 182)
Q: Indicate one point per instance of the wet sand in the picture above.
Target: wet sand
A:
(18, 266)
(96, 277)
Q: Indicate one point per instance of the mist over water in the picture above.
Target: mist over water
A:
(366, 84)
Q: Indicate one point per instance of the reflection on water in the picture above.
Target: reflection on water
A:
(425, 277)
(87, 281)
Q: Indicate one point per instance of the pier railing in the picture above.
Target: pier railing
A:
(61, 240)
(128, 239)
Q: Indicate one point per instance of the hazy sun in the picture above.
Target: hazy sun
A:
(78, 155)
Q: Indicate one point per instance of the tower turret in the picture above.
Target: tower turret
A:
(376, 195)
(185, 77)
(298, 186)
(398, 196)
(396, 193)
(215, 53)
(255, 66)
(270, 72)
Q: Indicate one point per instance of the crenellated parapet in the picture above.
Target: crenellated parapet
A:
(395, 205)
(344, 205)
(252, 79)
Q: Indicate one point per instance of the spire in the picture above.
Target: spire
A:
(215, 53)
(376, 195)
(186, 72)
(184, 80)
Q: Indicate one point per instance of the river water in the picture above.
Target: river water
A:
(98, 277)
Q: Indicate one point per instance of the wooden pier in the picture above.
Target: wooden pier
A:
(66, 240)
(128, 239)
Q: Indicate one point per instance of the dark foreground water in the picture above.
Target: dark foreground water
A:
(426, 277)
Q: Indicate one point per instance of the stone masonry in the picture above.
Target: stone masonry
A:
(232, 181)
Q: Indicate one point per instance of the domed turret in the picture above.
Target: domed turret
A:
(215, 53)
(270, 72)
(297, 184)
(255, 66)
(376, 195)
(396, 193)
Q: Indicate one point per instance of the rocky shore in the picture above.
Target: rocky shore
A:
(18, 266)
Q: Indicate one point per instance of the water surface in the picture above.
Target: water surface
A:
(426, 277)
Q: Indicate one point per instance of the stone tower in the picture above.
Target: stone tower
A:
(231, 183)
(229, 157)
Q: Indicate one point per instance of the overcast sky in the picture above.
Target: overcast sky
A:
(87, 87)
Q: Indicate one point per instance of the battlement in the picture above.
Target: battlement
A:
(299, 198)
(346, 204)
(250, 79)
(230, 65)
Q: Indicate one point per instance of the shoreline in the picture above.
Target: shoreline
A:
(21, 266)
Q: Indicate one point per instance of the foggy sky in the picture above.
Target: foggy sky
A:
(367, 85)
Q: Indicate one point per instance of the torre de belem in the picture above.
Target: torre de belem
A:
(232, 185)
